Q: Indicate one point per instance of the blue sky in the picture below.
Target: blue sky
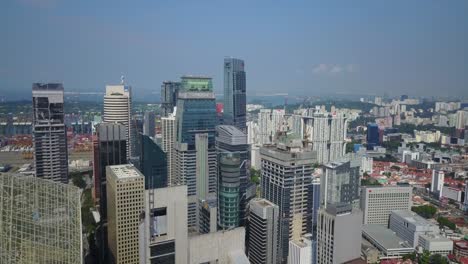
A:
(299, 47)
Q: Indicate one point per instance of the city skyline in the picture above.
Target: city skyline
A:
(301, 48)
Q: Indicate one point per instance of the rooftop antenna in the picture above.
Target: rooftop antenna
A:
(122, 80)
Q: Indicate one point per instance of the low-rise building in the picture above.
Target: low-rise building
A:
(386, 241)
(409, 226)
(435, 244)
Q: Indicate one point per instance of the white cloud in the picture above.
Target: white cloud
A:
(324, 68)
(336, 69)
(321, 68)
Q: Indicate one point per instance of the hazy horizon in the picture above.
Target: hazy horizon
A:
(419, 48)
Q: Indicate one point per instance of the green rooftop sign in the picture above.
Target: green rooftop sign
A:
(196, 84)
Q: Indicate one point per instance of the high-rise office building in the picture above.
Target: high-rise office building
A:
(340, 182)
(163, 230)
(286, 181)
(327, 134)
(235, 100)
(153, 164)
(300, 251)
(125, 204)
(262, 232)
(49, 132)
(149, 124)
(169, 92)
(168, 138)
(437, 182)
(372, 136)
(339, 219)
(230, 140)
(195, 155)
(40, 221)
(377, 203)
(338, 234)
(117, 108)
(136, 129)
(315, 203)
(110, 148)
(228, 190)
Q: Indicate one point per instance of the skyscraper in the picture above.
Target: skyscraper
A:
(338, 234)
(110, 148)
(125, 204)
(286, 181)
(40, 221)
(235, 93)
(49, 132)
(194, 151)
(136, 130)
(153, 164)
(117, 108)
(149, 124)
(232, 142)
(327, 134)
(340, 183)
(269, 123)
(169, 92)
(262, 232)
(339, 219)
(372, 136)
(168, 139)
(437, 182)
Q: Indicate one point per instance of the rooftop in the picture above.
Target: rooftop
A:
(262, 202)
(384, 236)
(411, 217)
(126, 171)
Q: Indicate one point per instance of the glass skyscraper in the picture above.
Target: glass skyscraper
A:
(169, 91)
(372, 136)
(235, 93)
(194, 150)
(153, 164)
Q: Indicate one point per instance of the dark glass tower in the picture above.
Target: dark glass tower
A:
(372, 136)
(153, 164)
(235, 93)
(49, 132)
(110, 148)
(169, 91)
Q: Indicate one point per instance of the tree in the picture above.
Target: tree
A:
(255, 176)
(438, 259)
(445, 222)
(424, 257)
(426, 211)
(370, 182)
(410, 256)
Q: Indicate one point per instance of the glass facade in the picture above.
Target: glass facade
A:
(372, 136)
(153, 164)
(196, 116)
(229, 183)
(235, 93)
